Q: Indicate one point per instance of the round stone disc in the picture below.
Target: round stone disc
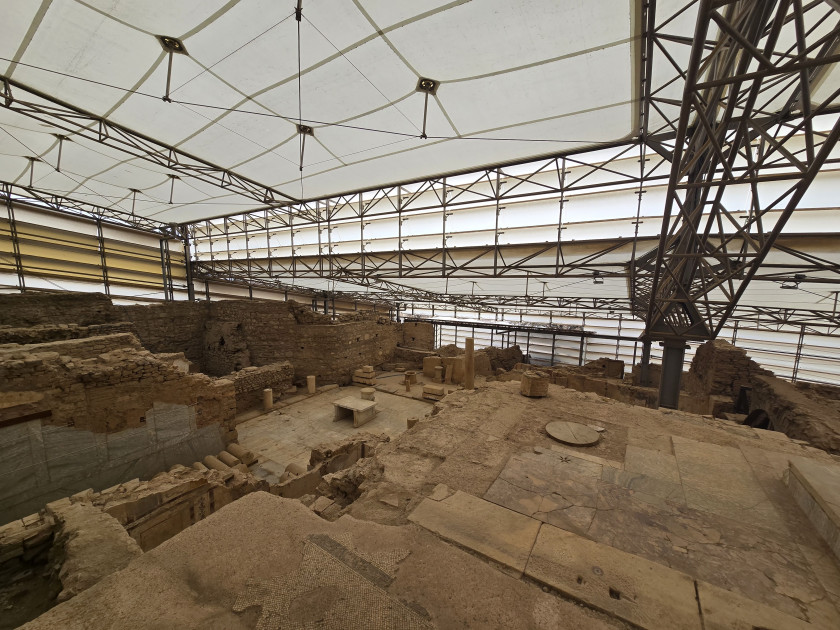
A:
(572, 433)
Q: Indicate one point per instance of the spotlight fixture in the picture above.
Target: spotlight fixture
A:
(172, 44)
(793, 284)
(596, 278)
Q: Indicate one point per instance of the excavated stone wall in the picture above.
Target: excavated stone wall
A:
(418, 335)
(259, 333)
(223, 337)
(720, 369)
(32, 309)
(92, 412)
(250, 383)
(43, 333)
(106, 384)
(70, 545)
(813, 418)
(170, 327)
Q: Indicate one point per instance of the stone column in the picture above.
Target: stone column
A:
(469, 363)
(268, 399)
(310, 384)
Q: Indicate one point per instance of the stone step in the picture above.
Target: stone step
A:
(815, 486)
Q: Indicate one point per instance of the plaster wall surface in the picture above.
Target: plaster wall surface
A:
(42, 463)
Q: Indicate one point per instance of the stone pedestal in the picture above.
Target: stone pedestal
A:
(268, 399)
(310, 384)
(534, 384)
(365, 375)
(438, 374)
(368, 393)
(411, 376)
(434, 392)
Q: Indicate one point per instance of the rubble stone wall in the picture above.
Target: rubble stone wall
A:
(250, 383)
(170, 327)
(106, 384)
(720, 369)
(260, 333)
(799, 416)
(32, 309)
(43, 333)
(230, 335)
(418, 335)
(93, 412)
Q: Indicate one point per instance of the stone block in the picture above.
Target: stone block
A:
(368, 393)
(534, 384)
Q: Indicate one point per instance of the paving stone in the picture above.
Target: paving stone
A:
(718, 479)
(725, 610)
(635, 589)
(495, 532)
(557, 489)
(650, 486)
(651, 463)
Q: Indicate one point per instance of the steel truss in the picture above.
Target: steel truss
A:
(13, 193)
(746, 97)
(78, 123)
(728, 129)
(394, 295)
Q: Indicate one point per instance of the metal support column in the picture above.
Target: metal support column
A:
(673, 356)
(7, 191)
(644, 371)
(166, 270)
(798, 356)
(103, 263)
(185, 237)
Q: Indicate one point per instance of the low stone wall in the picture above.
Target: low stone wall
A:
(250, 383)
(56, 332)
(52, 555)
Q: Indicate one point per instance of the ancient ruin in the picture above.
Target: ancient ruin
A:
(516, 314)
(125, 439)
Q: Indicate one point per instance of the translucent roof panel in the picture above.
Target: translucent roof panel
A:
(515, 80)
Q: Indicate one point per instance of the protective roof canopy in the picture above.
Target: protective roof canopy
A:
(516, 80)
